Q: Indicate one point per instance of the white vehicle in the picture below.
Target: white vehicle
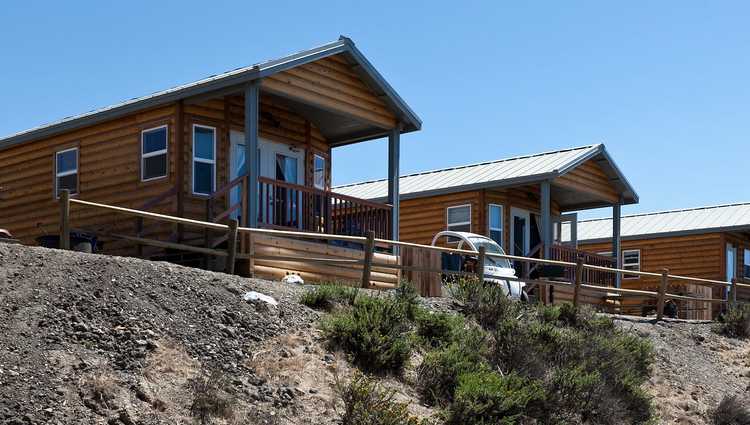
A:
(495, 269)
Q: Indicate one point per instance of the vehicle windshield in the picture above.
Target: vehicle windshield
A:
(491, 247)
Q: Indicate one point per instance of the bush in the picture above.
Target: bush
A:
(327, 296)
(373, 332)
(407, 296)
(366, 403)
(730, 411)
(438, 374)
(210, 399)
(485, 301)
(591, 371)
(490, 398)
(735, 323)
(438, 329)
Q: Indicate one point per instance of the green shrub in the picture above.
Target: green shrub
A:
(367, 403)
(407, 296)
(373, 332)
(490, 398)
(735, 323)
(485, 301)
(730, 411)
(327, 296)
(591, 371)
(437, 376)
(438, 329)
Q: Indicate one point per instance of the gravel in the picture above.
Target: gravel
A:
(69, 319)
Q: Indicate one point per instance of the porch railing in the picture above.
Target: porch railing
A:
(283, 205)
(569, 254)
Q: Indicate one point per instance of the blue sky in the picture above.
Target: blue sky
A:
(663, 84)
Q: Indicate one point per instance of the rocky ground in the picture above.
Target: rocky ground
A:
(695, 368)
(105, 340)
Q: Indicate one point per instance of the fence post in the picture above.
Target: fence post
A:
(480, 263)
(662, 292)
(367, 266)
(733, 293)
(231, 245)
(578, 281)
(64, 240)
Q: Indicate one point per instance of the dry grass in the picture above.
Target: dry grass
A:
(171, 359)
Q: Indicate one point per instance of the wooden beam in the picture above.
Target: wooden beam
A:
(252, 130)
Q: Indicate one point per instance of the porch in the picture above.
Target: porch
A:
(288, 206)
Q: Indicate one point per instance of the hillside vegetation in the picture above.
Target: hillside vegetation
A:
(108, 340)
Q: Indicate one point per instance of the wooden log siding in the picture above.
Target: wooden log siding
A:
(108, 172)
(699, 256)
(590, 178)
(332, 84)
(422, 218)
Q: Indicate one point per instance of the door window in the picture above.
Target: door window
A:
(747, 264)
(495, 222)
(286, 168)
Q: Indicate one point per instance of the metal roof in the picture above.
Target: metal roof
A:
(721, 218)
(226, 80)
(500, 173)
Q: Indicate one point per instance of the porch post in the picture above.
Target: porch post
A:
(616, 243)
(394, 154)
(545, 209)
(252, 111)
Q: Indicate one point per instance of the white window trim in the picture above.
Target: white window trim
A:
(67, 173)
(203, 160)
(622, 260)
(315, 157)
(489, 221)
(448, 224)
(164, 151)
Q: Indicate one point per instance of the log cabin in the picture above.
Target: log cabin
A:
(521, 202)
(706, 242)
(183, 152)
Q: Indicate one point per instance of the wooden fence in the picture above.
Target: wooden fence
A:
(369, 260)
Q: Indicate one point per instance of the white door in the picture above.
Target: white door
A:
(520, 234)
(731, 263)
(236, 166)
(277, 161)
(282, 206)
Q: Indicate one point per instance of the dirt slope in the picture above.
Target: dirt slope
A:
(105, 340)
(95, 339)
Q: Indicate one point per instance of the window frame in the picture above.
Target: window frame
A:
(325, 171)
(746, 263)
(203, 161)
(625, 276)
(164, 152)
(56, 192)
(489, 222)
(448, 224)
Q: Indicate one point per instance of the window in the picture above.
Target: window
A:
(747, 264)
(204, 160)
(154, 153)
(495, 222)
(631, 260)
(319, 172)
(66, 171)
(459, 218)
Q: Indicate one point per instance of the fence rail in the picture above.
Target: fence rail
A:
(369, 243)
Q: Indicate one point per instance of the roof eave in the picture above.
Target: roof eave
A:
(343, 45)
(497, 184)
(724, 229)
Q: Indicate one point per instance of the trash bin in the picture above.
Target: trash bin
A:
(79, 242)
